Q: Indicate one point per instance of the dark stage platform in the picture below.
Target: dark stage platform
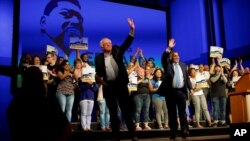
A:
(206, 133)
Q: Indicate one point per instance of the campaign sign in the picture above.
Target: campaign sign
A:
(79, 43)
(216, 52)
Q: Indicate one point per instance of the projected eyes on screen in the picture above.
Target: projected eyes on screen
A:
(62, 20)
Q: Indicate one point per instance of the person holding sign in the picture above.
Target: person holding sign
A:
(218, 95)
(132, 75)
(87, 96)
(198, 98)
(205, 75)
(110, 67)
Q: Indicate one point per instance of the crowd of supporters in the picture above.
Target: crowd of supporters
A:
(84, 101)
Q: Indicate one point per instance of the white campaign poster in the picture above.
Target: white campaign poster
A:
(196, 67)
(52, 49)
(44, 70)
(216, 52)
(201, 84)
(79, 43)
(88, 74)
(225, 62)
(132, 85)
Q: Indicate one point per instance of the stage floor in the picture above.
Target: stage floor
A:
(204, 134)
(198, 138)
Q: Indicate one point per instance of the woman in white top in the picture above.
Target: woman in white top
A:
(198, 99)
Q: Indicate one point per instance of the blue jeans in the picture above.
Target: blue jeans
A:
(142, 103)
(66, 103)
(104, 114)
(219, 107)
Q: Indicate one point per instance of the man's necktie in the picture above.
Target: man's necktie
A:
(177, 76)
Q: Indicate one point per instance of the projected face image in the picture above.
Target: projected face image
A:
(62, 19)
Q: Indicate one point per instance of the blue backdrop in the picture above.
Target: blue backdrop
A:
(100, 19)
(6, 27)
(188, 26)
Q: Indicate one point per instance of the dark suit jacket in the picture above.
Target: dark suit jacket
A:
(117, 53)
(166, 87)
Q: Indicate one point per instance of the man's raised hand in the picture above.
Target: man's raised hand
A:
(131, 24)
(171, 43)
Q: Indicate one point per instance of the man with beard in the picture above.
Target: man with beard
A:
(62, 20)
